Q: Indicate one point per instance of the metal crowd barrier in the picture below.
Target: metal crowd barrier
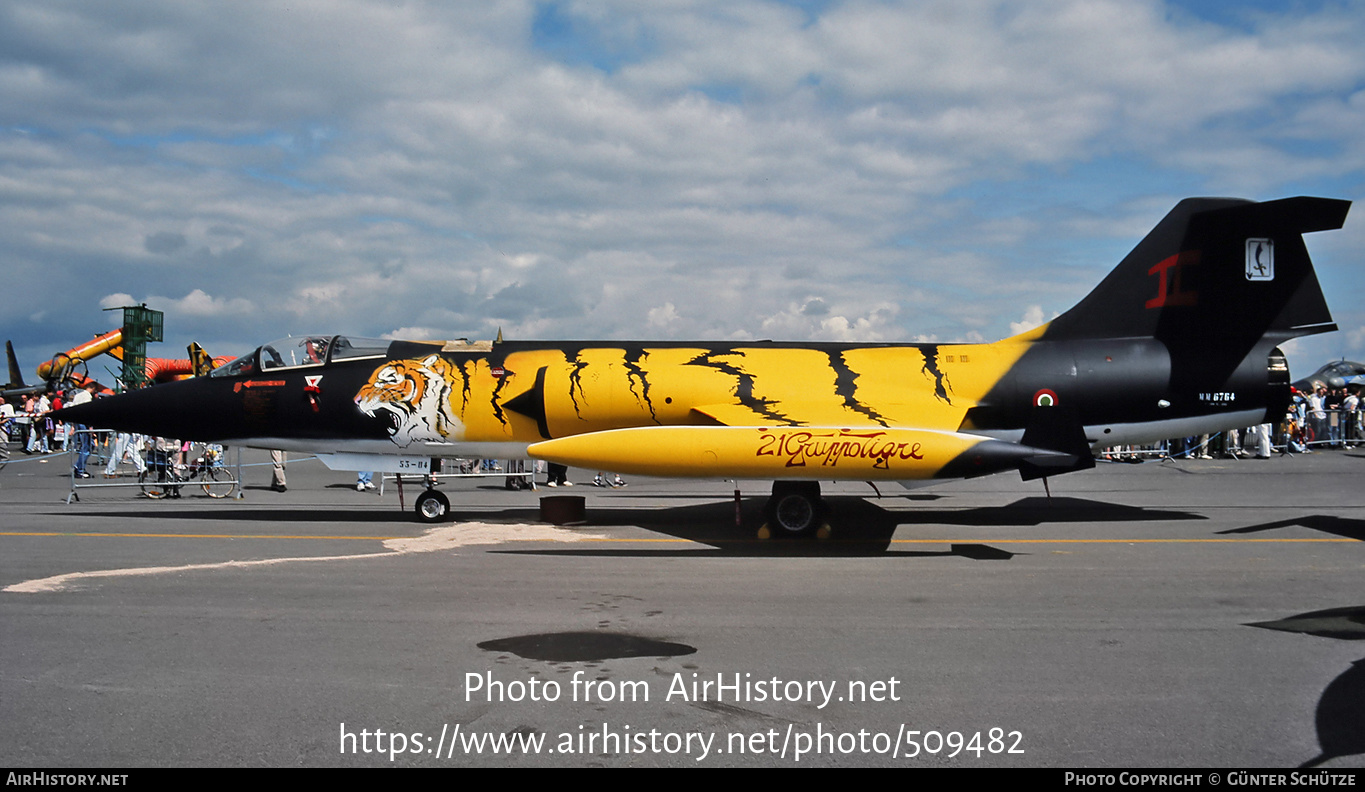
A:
(506, 472)
(98, 480)
(1336, 427)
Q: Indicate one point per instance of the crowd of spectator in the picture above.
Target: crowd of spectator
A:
(1323, 418)
(27, 422)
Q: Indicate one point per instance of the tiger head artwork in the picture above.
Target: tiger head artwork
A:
(413, 396)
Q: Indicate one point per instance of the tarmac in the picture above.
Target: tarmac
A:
(1191, 614)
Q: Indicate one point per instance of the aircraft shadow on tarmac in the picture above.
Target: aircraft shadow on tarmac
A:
(1326, 523)
(1340, 716)
(863, 527)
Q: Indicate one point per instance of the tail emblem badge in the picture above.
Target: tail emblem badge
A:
(1260, 259)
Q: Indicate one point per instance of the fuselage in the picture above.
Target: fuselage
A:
(487, 399)
(1180, 339)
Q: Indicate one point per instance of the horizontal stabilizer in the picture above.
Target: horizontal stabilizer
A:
(1057, 429)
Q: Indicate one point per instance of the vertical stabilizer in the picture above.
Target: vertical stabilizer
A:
(1216, 270)
(1214, 280)
(16, 379)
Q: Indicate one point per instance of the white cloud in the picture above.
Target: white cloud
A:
(917, 168)
(796, 321)
(117, 300)
(197, 303)
(413, 333)
(662, 315)
(1033, 317)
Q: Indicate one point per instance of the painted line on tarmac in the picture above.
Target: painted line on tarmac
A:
(645, 540)
(437, 539)
(1122, 541)
(465, 534)
(190, 536)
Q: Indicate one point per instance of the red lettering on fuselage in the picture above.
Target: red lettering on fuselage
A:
(828, 447)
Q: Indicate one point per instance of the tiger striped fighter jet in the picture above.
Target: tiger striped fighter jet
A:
(1180, 339)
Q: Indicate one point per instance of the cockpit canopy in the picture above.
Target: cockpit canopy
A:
(300, 351)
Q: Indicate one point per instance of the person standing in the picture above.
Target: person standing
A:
(6, 417)
(125, 445)
(84, 444)
(39, 426)
(23, 421)
(1317, 415)
(1331, 404)
(1350, 411)
(278, 459)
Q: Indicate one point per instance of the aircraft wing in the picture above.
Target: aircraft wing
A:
(925, 412)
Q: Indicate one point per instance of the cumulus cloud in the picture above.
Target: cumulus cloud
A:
(195, 304)
(1033, 317)
(795, 321)
(858, 170)
(662, 315)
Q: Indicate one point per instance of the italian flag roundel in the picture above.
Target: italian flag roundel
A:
(1044, 398)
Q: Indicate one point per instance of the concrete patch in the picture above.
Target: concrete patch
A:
(443, 537)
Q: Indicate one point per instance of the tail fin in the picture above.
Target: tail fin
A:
(200, 361)
(1215, 271)
(16, 378)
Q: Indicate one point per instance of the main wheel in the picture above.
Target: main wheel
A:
(153, 483)
(218, 483)
(794, 508)
(432, 506)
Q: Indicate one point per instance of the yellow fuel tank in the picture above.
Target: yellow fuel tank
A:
(804, 452)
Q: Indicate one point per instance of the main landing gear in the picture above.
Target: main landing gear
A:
(795, 509)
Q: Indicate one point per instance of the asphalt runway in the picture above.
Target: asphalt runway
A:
(1190, 614)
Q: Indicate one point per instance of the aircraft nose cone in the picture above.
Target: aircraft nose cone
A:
(162, 410)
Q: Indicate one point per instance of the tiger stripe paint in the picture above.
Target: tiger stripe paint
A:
(1134, 361)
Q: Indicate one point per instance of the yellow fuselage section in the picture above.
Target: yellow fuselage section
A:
(867, 411)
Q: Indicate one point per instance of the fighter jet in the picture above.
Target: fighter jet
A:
(60, 373)
(1180, 339)
(1337, 374)
(15, 386)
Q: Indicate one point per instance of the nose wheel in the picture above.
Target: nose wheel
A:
(432, 506)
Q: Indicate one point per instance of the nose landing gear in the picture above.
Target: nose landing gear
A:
(432, 506)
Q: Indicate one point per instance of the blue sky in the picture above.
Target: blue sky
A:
(877, 171)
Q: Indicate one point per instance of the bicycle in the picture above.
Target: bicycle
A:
(213, 476)
(163, 478)
(159, 479)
